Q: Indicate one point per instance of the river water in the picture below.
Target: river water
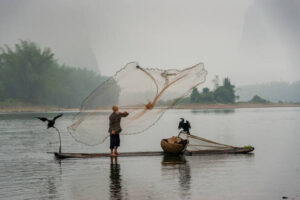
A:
(27, 171)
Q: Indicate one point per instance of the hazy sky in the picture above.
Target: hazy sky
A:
(250, 41)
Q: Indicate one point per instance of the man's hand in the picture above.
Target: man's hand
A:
(113, 132)
(126, 113)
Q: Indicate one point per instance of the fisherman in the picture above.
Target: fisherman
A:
(115, 129)
(186, 126)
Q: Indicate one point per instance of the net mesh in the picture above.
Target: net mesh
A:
(145, 93)
(197, 143)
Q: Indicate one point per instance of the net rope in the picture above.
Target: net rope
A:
(196, 143)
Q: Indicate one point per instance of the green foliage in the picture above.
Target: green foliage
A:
(221, 94)
(1, 90)
(195, 96)
(31, 75)
(258, 99)
(206, 96)
(225, 93)
(11, 102)
(248, 147)
(184, 100)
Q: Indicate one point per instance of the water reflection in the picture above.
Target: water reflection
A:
(170, 163)
(53, 180)
(52, 190)
(215, 111)
(115, 179)
(171, 160)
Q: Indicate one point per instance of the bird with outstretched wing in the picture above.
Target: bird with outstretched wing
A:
(50, 122)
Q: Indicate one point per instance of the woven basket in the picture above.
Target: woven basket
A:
(172, 148)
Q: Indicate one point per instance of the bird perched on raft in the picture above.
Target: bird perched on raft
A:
(50, 122)
(186, 126)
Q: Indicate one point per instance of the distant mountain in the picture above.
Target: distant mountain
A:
(274, 91)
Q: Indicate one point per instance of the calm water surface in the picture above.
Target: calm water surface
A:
(273, 171)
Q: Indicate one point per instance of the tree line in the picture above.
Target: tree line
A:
(221, 94)
(225, 93)
(31, 75)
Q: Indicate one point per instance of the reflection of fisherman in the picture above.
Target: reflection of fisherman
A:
(186, 126)
(115, 179)
(115, 129)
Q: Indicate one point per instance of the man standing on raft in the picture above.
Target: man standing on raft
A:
(115, 129)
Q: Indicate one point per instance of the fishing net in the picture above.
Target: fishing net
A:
(143, 92)
(196, 143)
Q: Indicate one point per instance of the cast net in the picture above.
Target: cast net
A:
(145, 93)
(196, 143)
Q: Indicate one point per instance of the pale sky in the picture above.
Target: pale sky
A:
(250, 41)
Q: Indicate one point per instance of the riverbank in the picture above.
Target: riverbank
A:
(233, 106)
(36, 109)
(181, 106)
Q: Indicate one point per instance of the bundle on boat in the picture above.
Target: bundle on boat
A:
(198, 145)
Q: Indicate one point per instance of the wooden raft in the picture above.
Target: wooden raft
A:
(152, 153)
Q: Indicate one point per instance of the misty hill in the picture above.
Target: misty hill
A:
(31, 75)
(274, 91)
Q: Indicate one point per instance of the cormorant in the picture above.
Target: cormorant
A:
(184, 125)
(50, 122)
(51, 125)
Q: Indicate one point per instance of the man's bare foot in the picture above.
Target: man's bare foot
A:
(117, 153)
(113, 154)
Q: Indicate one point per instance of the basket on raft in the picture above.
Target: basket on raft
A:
(173, 148)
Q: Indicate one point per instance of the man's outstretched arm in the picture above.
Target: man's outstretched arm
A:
(124, 114)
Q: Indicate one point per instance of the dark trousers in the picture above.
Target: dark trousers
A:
(114, 140)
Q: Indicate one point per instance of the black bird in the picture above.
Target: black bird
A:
(184, 125)
(51, 125)
(50, 122)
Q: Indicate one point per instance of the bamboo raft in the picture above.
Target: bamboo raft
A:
(237, 150)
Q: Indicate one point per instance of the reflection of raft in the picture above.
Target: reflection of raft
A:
(174, 148)
(169, 159)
